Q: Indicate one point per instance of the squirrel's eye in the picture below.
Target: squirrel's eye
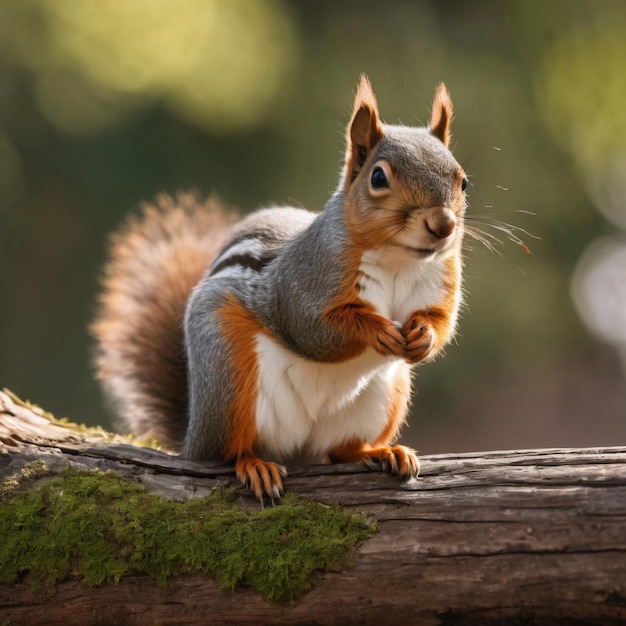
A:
(379, 180)
(464, 184)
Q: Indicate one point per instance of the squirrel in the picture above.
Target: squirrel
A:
(290, 336)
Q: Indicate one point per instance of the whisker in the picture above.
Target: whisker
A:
(389, 229)
(390, 210)
(489, 222)
(509, 229)
(486, 239)
(484, 236)
(495, 213)
(397, 231)
(381, 228)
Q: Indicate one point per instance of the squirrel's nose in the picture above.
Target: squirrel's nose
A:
(441, 223)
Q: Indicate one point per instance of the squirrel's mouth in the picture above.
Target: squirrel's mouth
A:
(420, 252)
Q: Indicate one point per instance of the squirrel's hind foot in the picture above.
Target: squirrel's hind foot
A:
(397, 460)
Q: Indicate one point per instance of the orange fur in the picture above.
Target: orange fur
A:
(240, 328)
(362, 326)
(441, 117)
(369, 225)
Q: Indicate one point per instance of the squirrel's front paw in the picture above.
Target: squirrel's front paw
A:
(262, 477)
(390, 340)
(420, 339)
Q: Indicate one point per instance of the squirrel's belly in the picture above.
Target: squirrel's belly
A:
(306, 408)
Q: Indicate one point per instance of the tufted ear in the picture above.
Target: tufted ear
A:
(441, 117)
(364, 131)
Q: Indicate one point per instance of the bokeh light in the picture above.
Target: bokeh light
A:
(599, 289)
(220, 64)
(582, 92)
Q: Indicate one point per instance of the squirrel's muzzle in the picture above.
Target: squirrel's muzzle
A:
(440, 222)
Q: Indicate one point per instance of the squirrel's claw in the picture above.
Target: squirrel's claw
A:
(397, 460)
(261, 477)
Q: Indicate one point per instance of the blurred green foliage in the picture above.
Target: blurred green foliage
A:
(104, 103)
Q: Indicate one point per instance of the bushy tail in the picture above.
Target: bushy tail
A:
(156, 259)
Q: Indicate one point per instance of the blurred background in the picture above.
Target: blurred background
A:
(105, 103)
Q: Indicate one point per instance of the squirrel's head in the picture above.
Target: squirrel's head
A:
(402, 186)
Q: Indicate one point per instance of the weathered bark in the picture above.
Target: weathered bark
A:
(525, 537)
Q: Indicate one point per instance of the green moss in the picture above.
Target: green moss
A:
(100, 527)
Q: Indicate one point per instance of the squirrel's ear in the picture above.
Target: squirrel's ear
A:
(365, 129)
(442, 114)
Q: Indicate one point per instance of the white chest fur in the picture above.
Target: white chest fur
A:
(305, 408)
(398, 285)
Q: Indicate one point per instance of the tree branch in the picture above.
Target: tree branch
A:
(524, 537)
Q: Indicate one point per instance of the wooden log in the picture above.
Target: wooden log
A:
(522, 537)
